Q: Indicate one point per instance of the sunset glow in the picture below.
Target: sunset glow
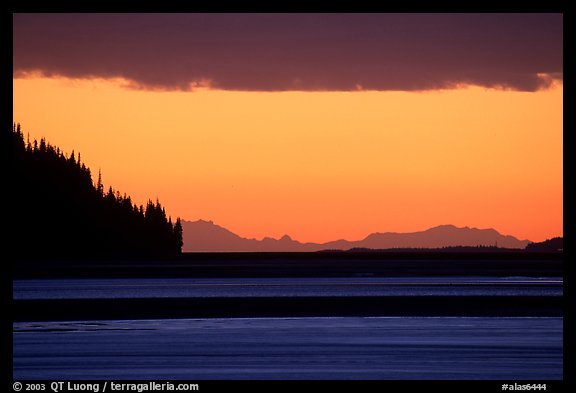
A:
(318, 166)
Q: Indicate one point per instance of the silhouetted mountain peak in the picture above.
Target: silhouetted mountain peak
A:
(205, 222)
(445, 227)
(209, 225)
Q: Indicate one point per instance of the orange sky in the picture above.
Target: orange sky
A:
(318, 166)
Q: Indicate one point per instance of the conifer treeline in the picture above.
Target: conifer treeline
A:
(60, 212)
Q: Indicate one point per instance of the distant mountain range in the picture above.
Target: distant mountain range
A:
(205, 236)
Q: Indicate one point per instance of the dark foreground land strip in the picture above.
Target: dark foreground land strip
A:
(322, 264)
(228, 307)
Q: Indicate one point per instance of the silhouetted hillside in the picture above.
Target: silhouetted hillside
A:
(206, 236)
(555, 244)
(59, 212)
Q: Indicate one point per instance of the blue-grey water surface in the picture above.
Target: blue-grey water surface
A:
(506, 348)
(228, 287)
(292, 348)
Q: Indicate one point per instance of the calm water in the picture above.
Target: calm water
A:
(404, 286)
(290, 348)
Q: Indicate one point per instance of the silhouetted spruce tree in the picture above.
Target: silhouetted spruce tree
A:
(178, 242)
(99, 185)
(60, 212)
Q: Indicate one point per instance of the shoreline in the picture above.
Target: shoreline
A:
(321, 264)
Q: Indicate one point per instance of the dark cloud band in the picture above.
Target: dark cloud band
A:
(277, 52)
